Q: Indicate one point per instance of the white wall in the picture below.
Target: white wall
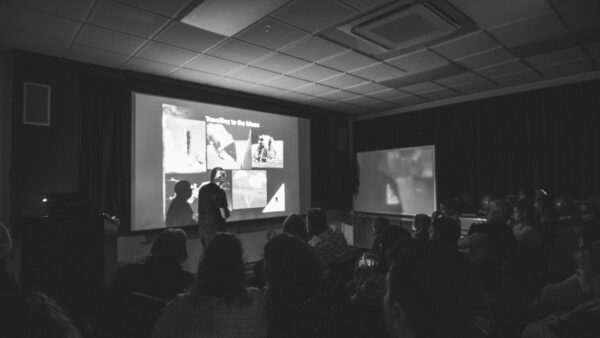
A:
(5, 132)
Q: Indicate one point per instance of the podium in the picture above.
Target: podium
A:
(71, 259)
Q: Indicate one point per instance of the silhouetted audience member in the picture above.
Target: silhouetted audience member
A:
(429, 292)
(141, 290)
(524, 227)
(485, 204)
(220, 305)
(447, 231)
(448, 208)
(468, 204)
(31, 314)
(303, 300)
(566, 229)
(420, 226)
(369, 284)
(491, 246)
(330, 244)
(294, 225)
(583, 320)
(180, 212)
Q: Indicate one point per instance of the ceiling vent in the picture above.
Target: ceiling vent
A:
(406, 27)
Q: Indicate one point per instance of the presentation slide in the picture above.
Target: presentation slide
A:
(266, 158)
(397, 181)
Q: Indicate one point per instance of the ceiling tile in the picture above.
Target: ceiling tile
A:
(272, 34)
(167, 8)
(232, 84)
(32, 21)
(530, 30)
(32, 42)
(364, 4)
(388, 94)
(567, 68)
(188, 37)
(342, 81)
(72, 9)
(339, 95)
(408, 100)
(252, 74)
(582, 15)
(314, 89)
(287, 82)
(465, 45)
(516, 78)
(566, 3)
(239, 51)
(314, 15)
(439, 94)
(280, 63)
(314, 49)
(459, 79)
(559, 56)
(96, 56)
(213, 65)
(367, 88)
(349, 60)
(379, 72)
(418, 61)
(191, 75)
(486, 58)
(108, 40)
(422, 87)
(314, 73)
(500, 69)
(149, 67)
(361, 100)
(347, 108)
(490, 13)
(319, 102)
(160, 52)
(126, 19)
(474, 87)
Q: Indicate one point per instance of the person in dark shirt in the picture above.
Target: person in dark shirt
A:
(212, 206)
(180, 213)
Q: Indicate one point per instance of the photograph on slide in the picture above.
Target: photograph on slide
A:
(184, 141)
(228, 147)
(266, 151)
(249, 189)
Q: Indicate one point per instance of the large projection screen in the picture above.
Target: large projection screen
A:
(266, 157)
(396, 181)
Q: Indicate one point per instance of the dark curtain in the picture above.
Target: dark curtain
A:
(105, 177)
(545, 138)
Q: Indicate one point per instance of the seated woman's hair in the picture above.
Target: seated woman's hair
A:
(295, 226)
(380, 224)
(291, 267)
(221, 270)
(446, 230)
(31, 314)
(317, 220)
(431, 284)
(384, 242)
(170, 244)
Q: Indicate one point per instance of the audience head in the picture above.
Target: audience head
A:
(31, 314)
(544, 208)
(586, 211)
(385, 241)
(171, 245)
(449, 207)
(218, 175)
(468, 204)
(183, 190)
(486, 202)
(421, 225)
(523, 213)
(446, 230)
(291, 267)
(317, 221)
(564, 205)
(524, 195)
(499, 212)
(428, 293)
(294, 225)
(380, 225)
(221, 269)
